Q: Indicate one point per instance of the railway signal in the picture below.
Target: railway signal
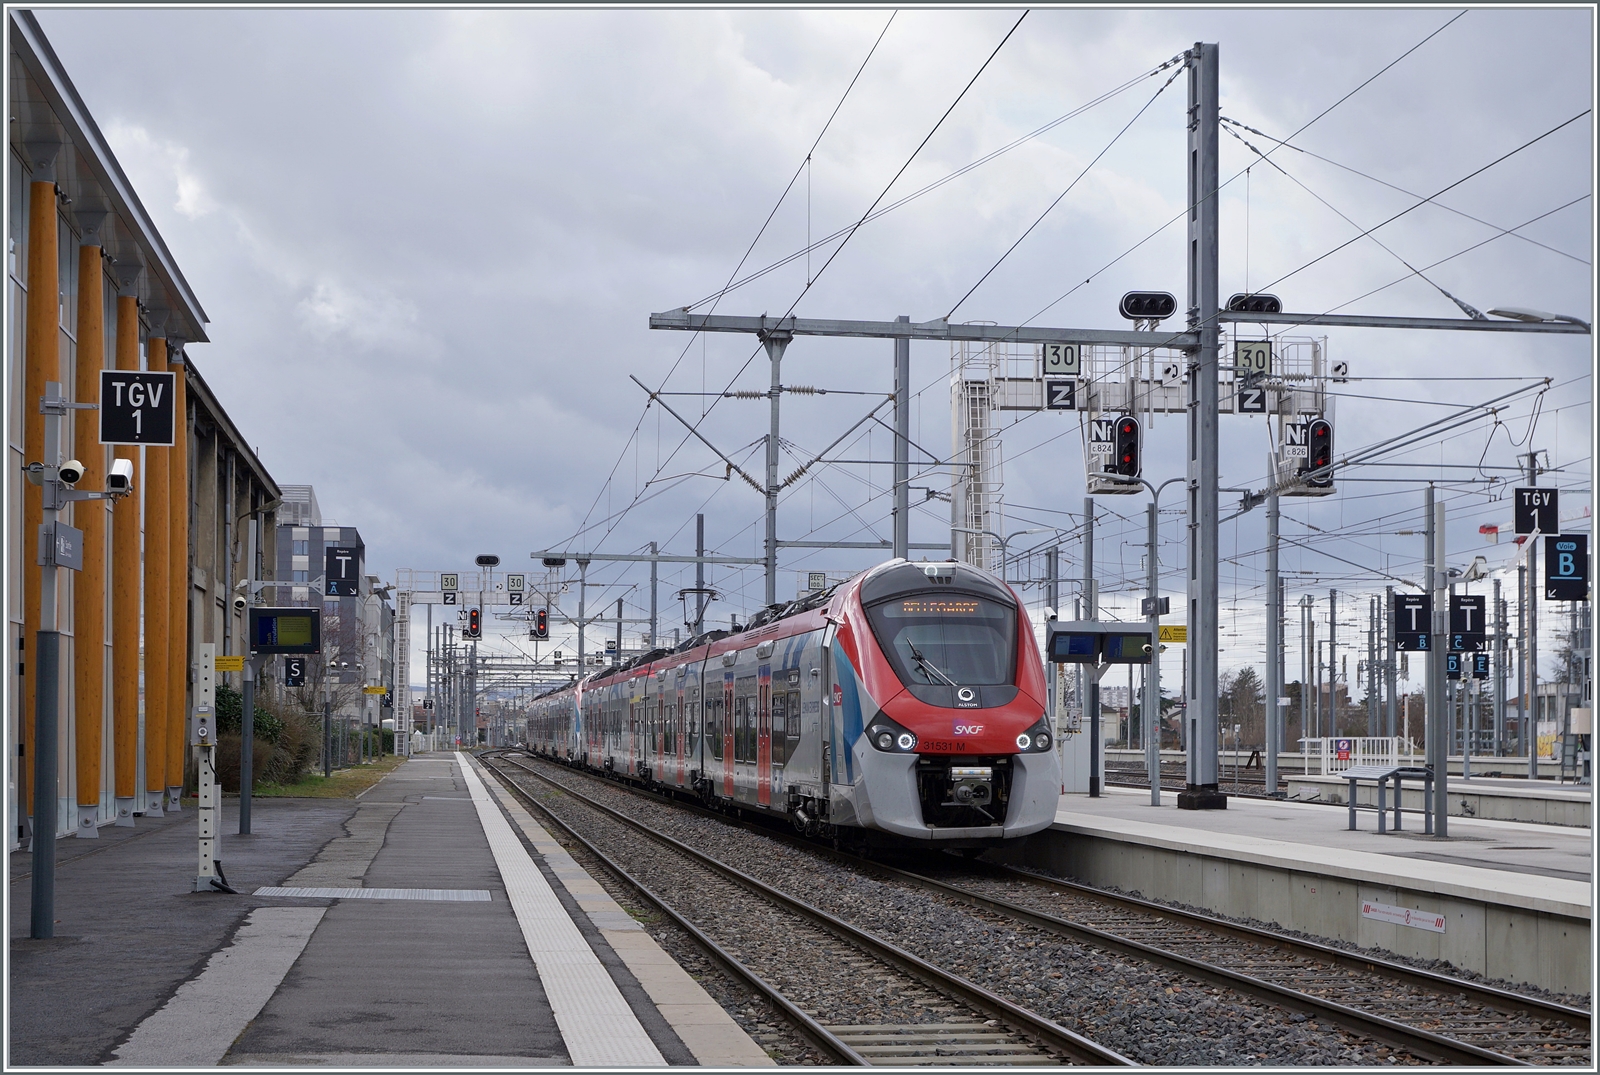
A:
(1254, 304)
(474, 628)
(1126, 461)
(541, 624)
(1319, 453)
(1147, 305)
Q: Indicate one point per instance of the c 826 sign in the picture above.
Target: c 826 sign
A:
(137, 408)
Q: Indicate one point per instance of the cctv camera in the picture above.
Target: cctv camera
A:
(1147, 648)
(120, 478)
(240, 602)
(71, 472)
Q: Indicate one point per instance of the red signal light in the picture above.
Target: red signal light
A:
(474, 623)
(1127, 446)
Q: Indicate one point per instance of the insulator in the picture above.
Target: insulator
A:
(744, 393)
(805, 390)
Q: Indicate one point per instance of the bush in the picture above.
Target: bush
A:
(230, 716)
(286, 742)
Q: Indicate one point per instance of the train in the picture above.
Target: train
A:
(906, 703)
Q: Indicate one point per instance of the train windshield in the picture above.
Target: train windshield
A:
(952, 640)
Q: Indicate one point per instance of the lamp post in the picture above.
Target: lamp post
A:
(1005, 541)
(1152, 686)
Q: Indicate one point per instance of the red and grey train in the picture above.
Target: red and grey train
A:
(906, 702)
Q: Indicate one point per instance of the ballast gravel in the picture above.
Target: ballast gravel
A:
(1150, 1014)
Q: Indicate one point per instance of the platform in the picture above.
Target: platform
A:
(1505, 899)
(1498, 798)
(432, 923)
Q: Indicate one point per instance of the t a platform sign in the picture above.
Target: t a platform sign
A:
(342, 572)
(1412, 615)
(294, 671)
(1566, 568)
(1536, 510)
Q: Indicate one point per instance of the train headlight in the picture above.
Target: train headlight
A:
(1036, 739)
(887, 735)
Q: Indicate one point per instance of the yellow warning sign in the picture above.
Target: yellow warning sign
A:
(374, 690)
(1177, 633)
(230, 662)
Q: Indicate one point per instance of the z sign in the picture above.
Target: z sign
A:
(1061, 395)
(1252, 400)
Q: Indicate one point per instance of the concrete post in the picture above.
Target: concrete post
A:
(179, 493)
(41, 364)
(1438, 719)
(125, 581)
(157, 602)
(902, 442)
(89, 516)
(1202, 792)
(775, 343)
(1274, 645)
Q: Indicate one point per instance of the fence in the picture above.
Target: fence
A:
(1333, 755)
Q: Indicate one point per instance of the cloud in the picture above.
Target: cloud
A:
(162, 165)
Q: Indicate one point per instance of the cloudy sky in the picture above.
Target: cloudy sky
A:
(429, 243)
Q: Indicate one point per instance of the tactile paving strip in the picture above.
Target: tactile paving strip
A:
(599, 1028)
(444, 895)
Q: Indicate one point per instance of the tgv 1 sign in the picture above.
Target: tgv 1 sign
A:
(136, 408)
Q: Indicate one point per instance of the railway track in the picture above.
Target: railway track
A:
(1422, 1012)
(973, 1025)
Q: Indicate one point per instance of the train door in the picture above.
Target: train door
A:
(733, 733)
(691, 719)
(827, 707)
(763, 729)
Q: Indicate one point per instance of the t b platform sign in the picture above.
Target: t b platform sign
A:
(342, 572)
(1566, 568)
(1413, 616)
(136, 408)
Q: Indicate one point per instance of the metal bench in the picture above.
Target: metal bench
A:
(1383, 774)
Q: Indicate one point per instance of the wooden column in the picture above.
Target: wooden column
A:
(89, 516)
(125, 594)
(157, 601)
(42, 363)
(178, 493)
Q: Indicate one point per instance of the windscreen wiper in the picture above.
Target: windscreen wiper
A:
(926, 666)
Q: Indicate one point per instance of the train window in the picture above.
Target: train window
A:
(948, 639)
(714, 725)
(744, 732)
(780, 727)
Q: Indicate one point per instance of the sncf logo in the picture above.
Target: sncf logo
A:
(969, 729)
(838, 694)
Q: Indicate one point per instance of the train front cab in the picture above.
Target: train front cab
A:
(937, 709)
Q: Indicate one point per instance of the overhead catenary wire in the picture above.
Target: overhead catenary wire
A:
(694, 427)
(1424, 201)
(1067, 190)
(1402, 190)
(759, 233)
